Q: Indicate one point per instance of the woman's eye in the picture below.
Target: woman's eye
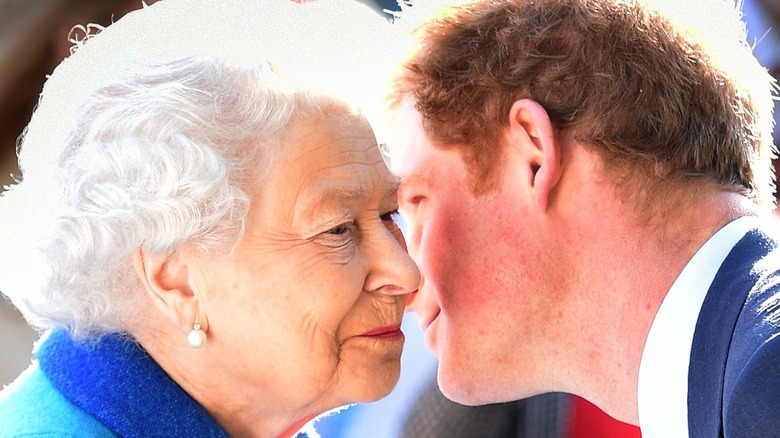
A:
(390, 216)
(339, 230)
(393, 220)
(340, 236)
(340, 242)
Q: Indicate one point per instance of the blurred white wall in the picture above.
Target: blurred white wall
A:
(16, 337)
(16, 343)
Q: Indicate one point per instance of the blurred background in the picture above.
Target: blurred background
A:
(34, 38)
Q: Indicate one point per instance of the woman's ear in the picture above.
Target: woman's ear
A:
(167, 282)
(531, 130)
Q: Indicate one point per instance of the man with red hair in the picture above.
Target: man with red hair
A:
(585, 183)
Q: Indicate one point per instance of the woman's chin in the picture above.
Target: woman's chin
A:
(379, 387)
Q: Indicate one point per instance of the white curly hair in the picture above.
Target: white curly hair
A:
(151, 134)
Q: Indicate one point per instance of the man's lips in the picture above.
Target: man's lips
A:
(426, 322)
(386, 332)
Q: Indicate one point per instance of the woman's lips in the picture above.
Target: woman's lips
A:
(387, 332)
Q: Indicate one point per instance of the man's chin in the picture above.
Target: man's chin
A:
(470, 387)
(459, 388)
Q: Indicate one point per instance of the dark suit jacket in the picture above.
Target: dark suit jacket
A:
(734, 373)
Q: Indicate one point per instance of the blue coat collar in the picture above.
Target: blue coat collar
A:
(715, 341)
(117, 382)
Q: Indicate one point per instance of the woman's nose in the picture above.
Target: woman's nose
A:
(411, 301)
(391, 270)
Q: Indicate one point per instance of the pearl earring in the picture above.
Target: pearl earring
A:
(197, 337)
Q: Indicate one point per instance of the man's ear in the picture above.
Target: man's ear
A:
(531, 129)
(166, 280)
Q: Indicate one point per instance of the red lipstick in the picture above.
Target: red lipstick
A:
(388, 332)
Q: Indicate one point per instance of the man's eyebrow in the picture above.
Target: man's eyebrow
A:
(413, 178)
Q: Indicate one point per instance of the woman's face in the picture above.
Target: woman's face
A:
(306, 312)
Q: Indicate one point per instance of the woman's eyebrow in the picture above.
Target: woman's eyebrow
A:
(329, 196)
(326, 195)
(393, 185)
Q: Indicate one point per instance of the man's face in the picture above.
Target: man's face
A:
(482, 303)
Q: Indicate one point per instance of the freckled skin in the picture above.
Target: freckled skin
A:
(481, 267)
(316, 270)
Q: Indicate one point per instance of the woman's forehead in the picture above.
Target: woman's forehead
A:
(336, 138)
(330, 160)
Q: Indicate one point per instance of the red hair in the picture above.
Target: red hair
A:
(646, 97)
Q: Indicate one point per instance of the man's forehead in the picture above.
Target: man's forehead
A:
(406, 139)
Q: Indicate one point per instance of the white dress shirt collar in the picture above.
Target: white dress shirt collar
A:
(663, 370)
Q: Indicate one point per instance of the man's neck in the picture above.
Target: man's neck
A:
(630, 267)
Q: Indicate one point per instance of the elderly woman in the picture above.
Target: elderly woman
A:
(210, 249)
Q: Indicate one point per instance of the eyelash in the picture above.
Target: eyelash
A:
(344, 228)
(389, 215)
(340, 229)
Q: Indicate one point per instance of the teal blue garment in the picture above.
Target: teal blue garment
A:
(32, 406)
(104, 388)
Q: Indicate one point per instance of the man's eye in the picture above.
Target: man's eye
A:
(414, 200)
(410, 204)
